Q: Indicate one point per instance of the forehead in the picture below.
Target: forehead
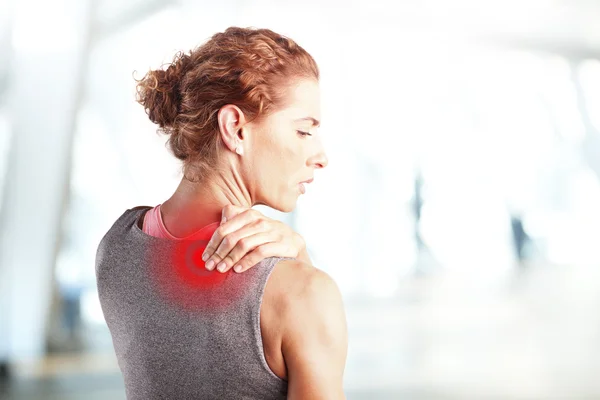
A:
(304, 100)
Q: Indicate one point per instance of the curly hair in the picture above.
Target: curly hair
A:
(248, 67)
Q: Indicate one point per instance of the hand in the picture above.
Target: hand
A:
(247, 237)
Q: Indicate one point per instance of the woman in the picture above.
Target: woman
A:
(242, 112)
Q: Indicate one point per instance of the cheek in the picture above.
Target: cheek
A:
(280, 160)
(288, 164)
(276, 162)
(269, 171)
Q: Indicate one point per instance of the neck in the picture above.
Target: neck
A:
(197, 204)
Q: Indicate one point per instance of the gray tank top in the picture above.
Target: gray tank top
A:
(179, 331)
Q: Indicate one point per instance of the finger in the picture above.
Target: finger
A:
(236, 223)
(252, 238)
(230, 211)
(260, 253)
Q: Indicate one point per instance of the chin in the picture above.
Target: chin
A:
(284, 203)
(285, 206)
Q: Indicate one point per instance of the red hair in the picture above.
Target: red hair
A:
(248, 67)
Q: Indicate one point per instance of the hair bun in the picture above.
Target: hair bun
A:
(158, 92)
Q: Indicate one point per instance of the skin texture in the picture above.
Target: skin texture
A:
(303, 322)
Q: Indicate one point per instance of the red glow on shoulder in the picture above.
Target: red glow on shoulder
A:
(181, 278)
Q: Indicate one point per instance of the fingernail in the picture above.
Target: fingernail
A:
(221, 267)
(237, 268)
(210, 265)
(204, 256)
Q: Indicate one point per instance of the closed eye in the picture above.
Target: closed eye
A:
(304, 133)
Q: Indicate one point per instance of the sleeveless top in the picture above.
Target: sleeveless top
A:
(180, 331)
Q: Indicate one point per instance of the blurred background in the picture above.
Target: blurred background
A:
(459, 212)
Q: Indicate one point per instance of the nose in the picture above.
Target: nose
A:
(320, 160)
(323, 163)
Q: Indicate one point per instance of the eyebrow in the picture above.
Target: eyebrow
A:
(314, 121)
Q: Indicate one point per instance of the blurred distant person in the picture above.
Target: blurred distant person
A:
(520, 237)
(417, 208)
(242, 112)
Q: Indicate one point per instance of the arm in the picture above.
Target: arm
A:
(315, 339)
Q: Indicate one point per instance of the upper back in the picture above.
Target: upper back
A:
(179, 331)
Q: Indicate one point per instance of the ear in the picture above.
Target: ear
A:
(231, 119)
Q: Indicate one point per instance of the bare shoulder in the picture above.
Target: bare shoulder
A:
(313, 329)
(292, 293)
(297, 283)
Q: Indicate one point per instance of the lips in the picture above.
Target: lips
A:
(308, 181)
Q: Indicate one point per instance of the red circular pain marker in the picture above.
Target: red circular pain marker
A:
(181, 277)
(189, 267)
